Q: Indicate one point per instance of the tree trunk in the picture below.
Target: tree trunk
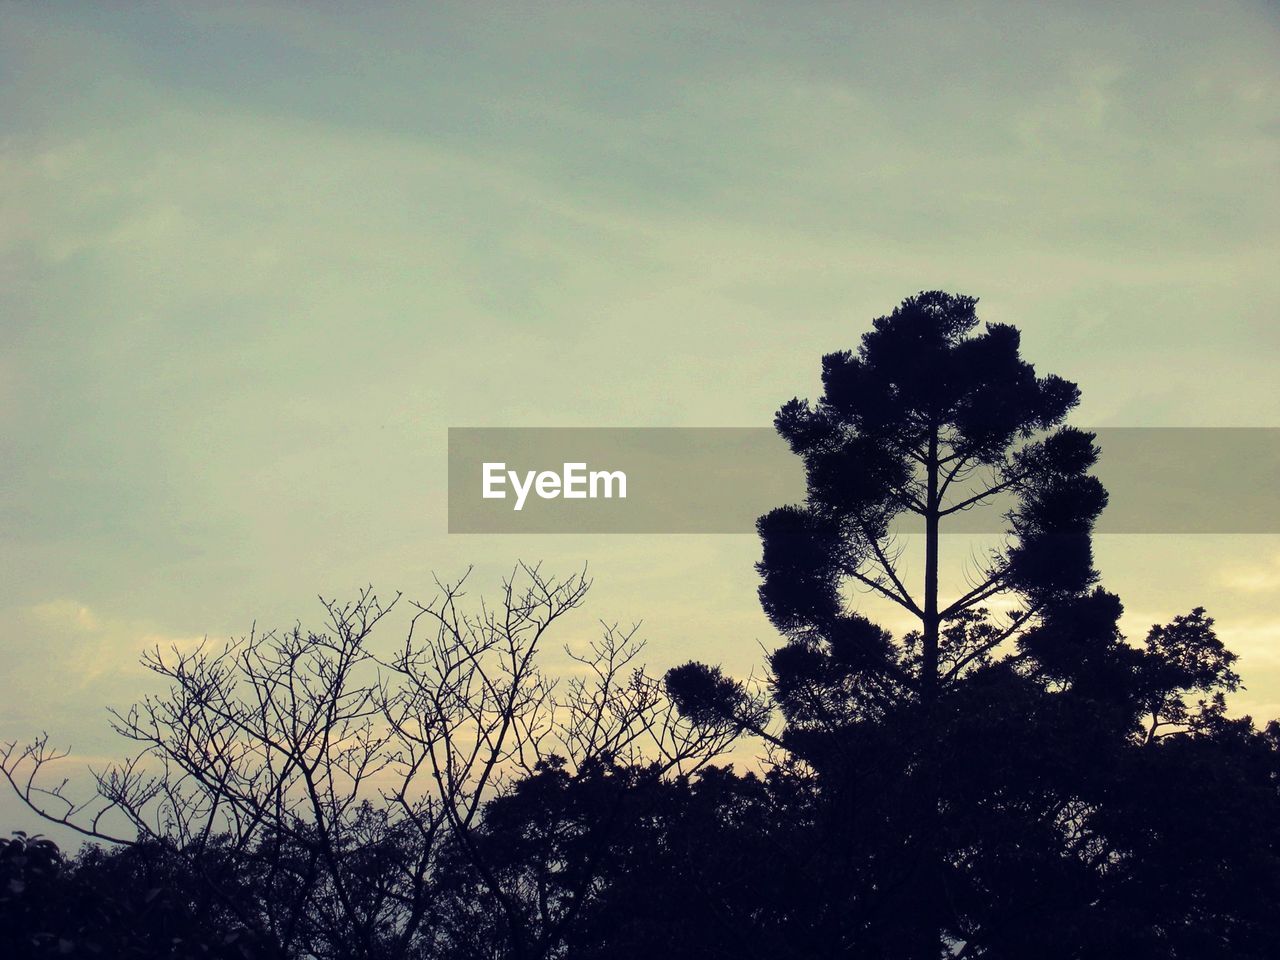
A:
(929, 943)
(929, 664)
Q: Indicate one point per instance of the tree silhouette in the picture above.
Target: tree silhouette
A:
(332, 794)
(136, 903)
(1009, 777)
(974, 767)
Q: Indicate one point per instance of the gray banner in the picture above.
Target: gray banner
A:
(720, 479)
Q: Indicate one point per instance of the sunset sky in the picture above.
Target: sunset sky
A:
(255, 260)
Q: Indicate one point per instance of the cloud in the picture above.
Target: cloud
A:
(67, 615)
(1257, 578)
(82, 649)
(257, 259)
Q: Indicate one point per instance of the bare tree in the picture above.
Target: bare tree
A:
(348, 777)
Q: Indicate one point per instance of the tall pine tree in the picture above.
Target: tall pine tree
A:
(973, 769)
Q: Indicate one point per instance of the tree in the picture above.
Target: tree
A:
(331, 795)
(137, 902)
(970, 765)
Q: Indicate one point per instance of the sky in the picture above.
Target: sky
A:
(255, 260)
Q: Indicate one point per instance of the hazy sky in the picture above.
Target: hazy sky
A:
(254, 260)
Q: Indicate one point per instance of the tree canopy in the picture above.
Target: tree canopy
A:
(980, 773)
